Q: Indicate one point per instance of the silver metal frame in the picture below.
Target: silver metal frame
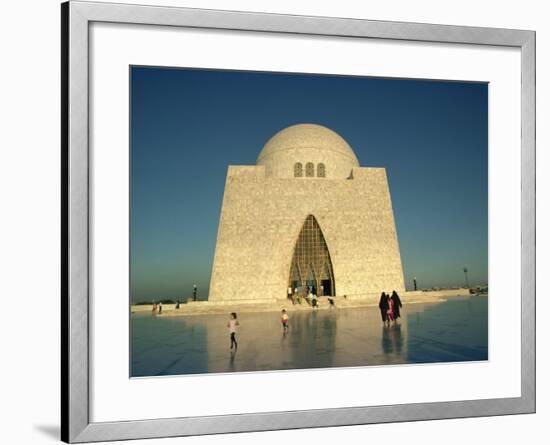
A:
(76, 18)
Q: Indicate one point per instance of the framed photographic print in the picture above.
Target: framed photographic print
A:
(257, 206)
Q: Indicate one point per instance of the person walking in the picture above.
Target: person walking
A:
(314, 301)
(390, 310)
(160, 307)
(284, 320)
(232, 325)
(397, 305)
(309, 297)
(383, 304)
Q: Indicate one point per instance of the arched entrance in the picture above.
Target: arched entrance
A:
(311, 264)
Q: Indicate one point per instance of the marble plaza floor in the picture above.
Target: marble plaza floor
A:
(449, 331)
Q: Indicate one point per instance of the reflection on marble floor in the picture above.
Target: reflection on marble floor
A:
(455, 330)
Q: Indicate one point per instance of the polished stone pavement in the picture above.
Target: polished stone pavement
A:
(449, 331)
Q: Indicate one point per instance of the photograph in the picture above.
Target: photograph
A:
(274, 222)
(288, 221)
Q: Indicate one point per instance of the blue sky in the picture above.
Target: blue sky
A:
(188, 125)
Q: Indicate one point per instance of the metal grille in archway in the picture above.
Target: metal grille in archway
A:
(311, 264)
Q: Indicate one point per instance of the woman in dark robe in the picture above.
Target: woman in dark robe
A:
(396, 305)
(384, 305)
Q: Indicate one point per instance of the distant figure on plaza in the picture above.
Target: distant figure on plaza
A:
(289, 293)
(384, 305)
(396, 305)
(314, 301)
(194, 292)
(390, 310)
(160, 308)
(232, 325)
(331, 304)
(295, 296)
(177, 304)
(154, 310)
(284, 320)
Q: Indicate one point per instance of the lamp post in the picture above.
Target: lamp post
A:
(466, 277)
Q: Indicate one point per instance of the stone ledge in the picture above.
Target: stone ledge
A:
(341, 302)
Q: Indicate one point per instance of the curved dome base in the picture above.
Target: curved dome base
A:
(307, 151)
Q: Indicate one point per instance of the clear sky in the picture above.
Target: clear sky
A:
(187, 126)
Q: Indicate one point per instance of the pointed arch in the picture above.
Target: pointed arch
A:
(312, 257)
(295, 274)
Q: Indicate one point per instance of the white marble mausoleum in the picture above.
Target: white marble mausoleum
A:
(307, 214)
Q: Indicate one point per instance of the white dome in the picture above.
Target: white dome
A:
(307, 143)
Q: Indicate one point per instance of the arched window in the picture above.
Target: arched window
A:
(310, 170)
(298, 173)
(321, 170)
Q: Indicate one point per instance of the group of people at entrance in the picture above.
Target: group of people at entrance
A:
(307, 294)
(390, 307)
